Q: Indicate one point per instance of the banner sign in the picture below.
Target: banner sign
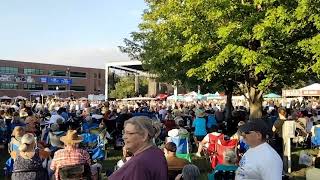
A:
(55, 80)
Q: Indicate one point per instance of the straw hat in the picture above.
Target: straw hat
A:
(71, 137)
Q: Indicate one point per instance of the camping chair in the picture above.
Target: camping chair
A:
(75, 172)
(182, 143)
(216, 150)
(315, 140)
(222, 175)
(94, 146)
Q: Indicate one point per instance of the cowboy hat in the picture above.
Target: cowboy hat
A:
(71, 137)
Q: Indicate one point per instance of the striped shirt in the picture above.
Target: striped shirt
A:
(67, 157)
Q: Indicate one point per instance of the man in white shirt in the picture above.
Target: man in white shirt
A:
(261, 161)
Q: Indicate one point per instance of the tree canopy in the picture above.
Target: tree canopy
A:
(259, 44)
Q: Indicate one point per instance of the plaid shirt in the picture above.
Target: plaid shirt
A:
(67, 157)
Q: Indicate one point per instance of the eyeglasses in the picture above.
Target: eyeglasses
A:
(130, 133)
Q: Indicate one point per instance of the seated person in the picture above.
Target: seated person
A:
(189, 172)
(126, 156)
(229, 161)
(28, 162)
(314, 173)
(209, 138)
(55, 135)
(71, 154)
(174, 163)
(178, 132)
(15, 142)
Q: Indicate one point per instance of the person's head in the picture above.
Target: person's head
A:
(190, 172)
(254, 132)
(229, 157)
(27, 143)
(18, 132)
(181, 123)
(54, 127)
(200, 113)
(170, 149)
(139, 132)
(71, 138)
(282, 112)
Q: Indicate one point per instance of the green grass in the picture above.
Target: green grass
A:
(115, 155)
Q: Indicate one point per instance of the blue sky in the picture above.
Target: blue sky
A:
(70, 32)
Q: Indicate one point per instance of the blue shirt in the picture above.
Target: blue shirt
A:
(200, 126)
(211, 121)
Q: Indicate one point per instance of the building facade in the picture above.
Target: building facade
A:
(22, 78)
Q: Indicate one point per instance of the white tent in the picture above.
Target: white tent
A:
(312, 87)
(20, 97)
(5, 97)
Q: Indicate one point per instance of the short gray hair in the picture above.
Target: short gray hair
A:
(230, 156)
(143, 123)
(190, 172)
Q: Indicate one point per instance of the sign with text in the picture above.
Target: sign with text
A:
(55, 80)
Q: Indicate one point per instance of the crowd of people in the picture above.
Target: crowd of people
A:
(158, 139)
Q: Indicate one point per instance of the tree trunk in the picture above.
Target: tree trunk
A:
(228, 113)
(255, 103)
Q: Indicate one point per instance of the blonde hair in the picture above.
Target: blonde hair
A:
(143, 123)
(26, 141)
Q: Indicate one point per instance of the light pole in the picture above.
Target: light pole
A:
(68, 84)
(57, 89)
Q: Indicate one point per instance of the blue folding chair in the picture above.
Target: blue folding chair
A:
(315, 140)
(182, 143)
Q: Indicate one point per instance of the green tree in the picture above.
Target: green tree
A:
(257, 44)
(125, 87)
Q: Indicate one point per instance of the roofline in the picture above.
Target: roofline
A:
(123, 63)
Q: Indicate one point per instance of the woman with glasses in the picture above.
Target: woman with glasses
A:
(148, 161)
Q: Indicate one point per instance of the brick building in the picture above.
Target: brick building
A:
(22, 78)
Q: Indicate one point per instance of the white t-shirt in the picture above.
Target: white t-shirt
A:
(260, 163)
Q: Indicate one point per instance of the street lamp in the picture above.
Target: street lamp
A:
(57, 89)
(68, 77)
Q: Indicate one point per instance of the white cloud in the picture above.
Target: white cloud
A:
(86, 57)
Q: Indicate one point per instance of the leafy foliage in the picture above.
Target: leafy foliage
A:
(260, 44)
(125, 87)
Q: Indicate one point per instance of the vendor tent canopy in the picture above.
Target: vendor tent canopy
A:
(311, 90)
(137, 99)
(20, 97)
(5, 98)
(176, 98)
(46, 93)
(272, 95)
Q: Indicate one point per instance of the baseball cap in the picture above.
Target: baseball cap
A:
(255, 125)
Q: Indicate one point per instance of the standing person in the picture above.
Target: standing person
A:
(277, 130)
(148, 162)
(199, 124)
(261, 161)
